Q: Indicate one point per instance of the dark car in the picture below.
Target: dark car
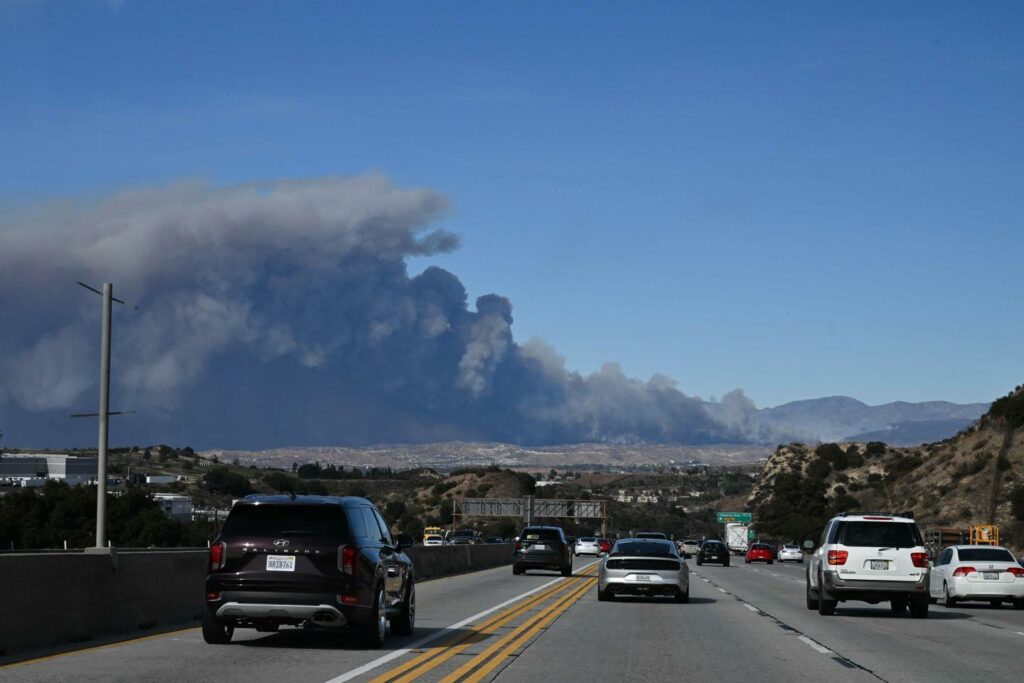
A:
(312, 561)
(542, 547)
(464, 537)
(713, 551)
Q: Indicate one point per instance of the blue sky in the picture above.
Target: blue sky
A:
(801, 200)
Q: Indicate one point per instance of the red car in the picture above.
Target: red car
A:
(758, 552)
(605, 545)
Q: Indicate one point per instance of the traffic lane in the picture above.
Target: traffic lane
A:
(893, 647)
(318, 654)
(1003, 616)
(713, 637)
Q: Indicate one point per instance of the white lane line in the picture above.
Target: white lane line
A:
(370, 666)
(722, 590)
(1020, 633)
(816, 646)
(704, 580)
(751, 607)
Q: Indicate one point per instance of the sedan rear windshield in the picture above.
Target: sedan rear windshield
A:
(759, 546)
(283, 521)
(984, 555)
(644, 549)
(541, 535)
(879, 534)
(588, 539)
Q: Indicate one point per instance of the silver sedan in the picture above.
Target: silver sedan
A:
(644, 567)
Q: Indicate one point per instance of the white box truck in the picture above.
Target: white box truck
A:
(736, 537)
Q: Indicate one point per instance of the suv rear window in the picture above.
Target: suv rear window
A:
(282, 521)
(879, 534)
(540, 535)
(984, 555)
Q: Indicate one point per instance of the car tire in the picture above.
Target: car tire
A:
(726, 563)
(699, 563)
(516, 569)
(948, 600)
(746, 561)
(405, 622)
(603, 595)
(683, 596)
(771, 561)
(374, 631)
(1018, 603)
(826, 607)
(919, 607)
(214, 632)
(567, 571)
(898, 605)
(996, 603)
(812, 599)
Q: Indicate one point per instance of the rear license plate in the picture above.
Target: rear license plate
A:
(539, 546)
(642, 577)
(280, 563)
(990, 576)
(880, 565)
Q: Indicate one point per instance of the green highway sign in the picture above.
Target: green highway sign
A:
(751, 534)
(726, 517)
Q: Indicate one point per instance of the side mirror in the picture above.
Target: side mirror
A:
(404, 541)
(808, 545)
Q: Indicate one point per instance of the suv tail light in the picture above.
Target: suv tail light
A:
(347, 559)
(1016, 571)
(838, 556)
(919, 559)
(963, 571)
(218, 555)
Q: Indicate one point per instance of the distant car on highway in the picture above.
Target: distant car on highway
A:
(650, 534)
(790, 553)
(321, 561)
(605, 545)
(494, 539)
(463, 537)
(644, 567)
(873, 558)
(713, 551)
(433, 540)
(542, 547)
(977, 572)
(689, 547)
(759, 552)
(587, 545)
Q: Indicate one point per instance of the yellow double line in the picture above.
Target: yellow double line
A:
(570, 591)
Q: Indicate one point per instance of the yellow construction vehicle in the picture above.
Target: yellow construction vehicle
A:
(985, 534)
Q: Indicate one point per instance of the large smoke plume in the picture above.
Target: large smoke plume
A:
(283, 314)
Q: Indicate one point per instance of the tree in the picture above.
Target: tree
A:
(220, 479)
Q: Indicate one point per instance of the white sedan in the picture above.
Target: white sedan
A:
(587, 545)
(790, 553)
(977, 572)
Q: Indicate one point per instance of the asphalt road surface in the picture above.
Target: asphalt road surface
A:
(743, 621)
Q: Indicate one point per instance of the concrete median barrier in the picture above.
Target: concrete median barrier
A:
(54, 599)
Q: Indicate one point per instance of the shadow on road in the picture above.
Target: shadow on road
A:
(880, 613)
(667, 601)
(339, 639)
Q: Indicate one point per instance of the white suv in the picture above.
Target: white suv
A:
(872, 558)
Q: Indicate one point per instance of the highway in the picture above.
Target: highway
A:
(745, 622)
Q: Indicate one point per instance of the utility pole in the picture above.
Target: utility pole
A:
(104, 412)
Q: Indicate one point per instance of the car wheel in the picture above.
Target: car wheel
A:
(770, 561)
(747, 561)
(214, 632)
(949, 601)
(726, 563)
(826, 607)
(1018, 603)
(567, 570)
(373, 632)
(812, 599)
(516, 569)
(405, 622)
(603, 595)
(995, 603)
(919, 606)
(699, 563)
(898, 605)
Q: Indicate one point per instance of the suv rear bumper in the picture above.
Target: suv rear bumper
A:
(322, 609)
(873, 591)
(321, 615)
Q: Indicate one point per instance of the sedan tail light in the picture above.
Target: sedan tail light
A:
(1016, 571)
(347, 559)
(963, 571)
(919, 559)
(838, 556)
(218, 555)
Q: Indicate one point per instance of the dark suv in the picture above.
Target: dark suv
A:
(312, 561)
(713, 551)
(542, 547)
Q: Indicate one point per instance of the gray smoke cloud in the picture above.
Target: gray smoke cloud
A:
(283, 313)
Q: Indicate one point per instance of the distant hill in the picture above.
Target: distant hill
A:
(841, 418)
(974, 477)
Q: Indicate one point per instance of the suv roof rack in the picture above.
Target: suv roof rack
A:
(909, 515)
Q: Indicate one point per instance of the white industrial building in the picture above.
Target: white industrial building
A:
(35, 469)
(175, 505)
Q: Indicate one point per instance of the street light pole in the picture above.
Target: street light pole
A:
(104, 418)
